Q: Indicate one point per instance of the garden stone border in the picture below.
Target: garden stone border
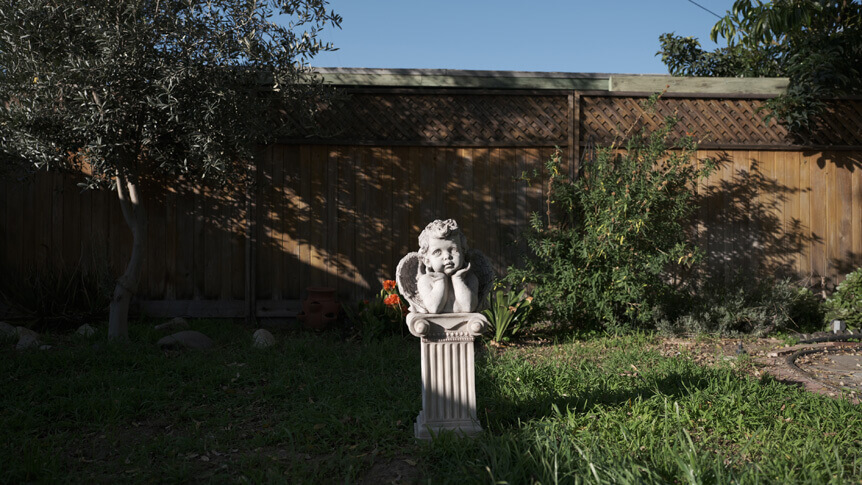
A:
(781, 364)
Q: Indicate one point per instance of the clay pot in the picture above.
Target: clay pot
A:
(320, 309)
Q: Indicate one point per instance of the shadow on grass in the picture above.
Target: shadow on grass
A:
(499, 411)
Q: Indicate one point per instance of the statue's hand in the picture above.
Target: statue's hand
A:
(462, 273)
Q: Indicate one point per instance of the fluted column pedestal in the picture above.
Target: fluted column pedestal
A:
(448, 371)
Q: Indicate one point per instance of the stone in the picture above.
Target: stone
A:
(262, 339)
(445, 284)
(838, 326)
(86, 330)
(22, 331)
(187, 339)
(173, 325)
(7, 332)
(27, 341)
(46, 347)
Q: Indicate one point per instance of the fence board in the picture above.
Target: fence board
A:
(41, 220)
(856, 207)
(346, 225)
(819, 215)
(185, 234)
(276, 235)
(15, 218)
(792, 219)
(400, 165)
(804, 257)
(154, 201)
(291, 217)
(843, 262)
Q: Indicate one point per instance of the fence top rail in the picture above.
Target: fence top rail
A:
(452, 78)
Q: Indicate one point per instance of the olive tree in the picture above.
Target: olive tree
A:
(815, 43)
(125, 90)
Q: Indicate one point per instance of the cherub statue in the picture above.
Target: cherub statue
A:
(445, 276)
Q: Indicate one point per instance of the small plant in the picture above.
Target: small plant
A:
(846, 302)
(58, 299)
(508, 312)
(747, 305)
(383, 314)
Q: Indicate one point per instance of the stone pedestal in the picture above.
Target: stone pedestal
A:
(448, 371)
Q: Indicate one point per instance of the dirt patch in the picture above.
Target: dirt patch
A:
(833, 369)
(397, 471)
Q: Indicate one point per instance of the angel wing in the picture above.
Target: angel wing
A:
(405, 276)
(481, 267)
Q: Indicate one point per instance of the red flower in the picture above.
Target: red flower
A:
(389, 285)
(392, 300)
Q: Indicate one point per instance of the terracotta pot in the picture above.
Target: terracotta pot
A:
(320, 309)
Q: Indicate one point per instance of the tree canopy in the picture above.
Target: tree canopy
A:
(130, 89)
(817, 44)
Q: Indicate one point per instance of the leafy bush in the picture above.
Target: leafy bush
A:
(58, 299)
(508, 312)
(846, 302)
(612, 235)
(381, 315)
(747, 305)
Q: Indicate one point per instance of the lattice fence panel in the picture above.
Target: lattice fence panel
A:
(443, 119)
(724, 122)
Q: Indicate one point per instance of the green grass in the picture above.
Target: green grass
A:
(319, 409)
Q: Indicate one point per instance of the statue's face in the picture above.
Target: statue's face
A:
(444, 256)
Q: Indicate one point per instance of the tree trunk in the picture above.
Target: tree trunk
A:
(127, 284)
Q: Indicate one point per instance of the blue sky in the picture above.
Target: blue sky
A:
(603, 36)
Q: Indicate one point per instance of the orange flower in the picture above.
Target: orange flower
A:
(392, 300)
(389, 285)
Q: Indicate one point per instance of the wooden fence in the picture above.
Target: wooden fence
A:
(342, 211)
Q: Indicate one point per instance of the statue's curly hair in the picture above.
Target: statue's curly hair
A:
(440, 229)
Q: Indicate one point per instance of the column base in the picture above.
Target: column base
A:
(424, 430)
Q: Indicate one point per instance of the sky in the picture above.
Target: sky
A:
(599, 36)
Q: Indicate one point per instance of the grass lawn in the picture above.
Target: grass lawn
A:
(319, 409)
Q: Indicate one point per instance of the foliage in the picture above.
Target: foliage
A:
(133, 90)
(612, 235)
(58, 299)
(747, 304)
(381, 315)
(183, 88)
(846, 302)
(684, 56)
(816, 43)
(508, 312)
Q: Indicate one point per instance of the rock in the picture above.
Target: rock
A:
(27, 341)
(86, 330)
(187, 339)
(262, 339)
(46, 347)
(838, 326)
(22, 331)
(173, 325)
(7, 332)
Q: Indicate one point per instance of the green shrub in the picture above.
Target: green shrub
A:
(58, 299)
(508, 312)
(612, 235)
(747, 305)
(381, 315)
(846, 302)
